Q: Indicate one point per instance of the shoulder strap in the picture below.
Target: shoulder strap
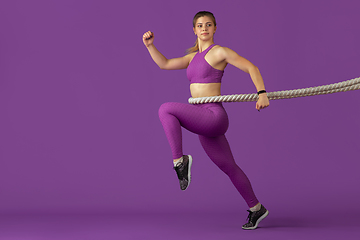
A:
(209, 48)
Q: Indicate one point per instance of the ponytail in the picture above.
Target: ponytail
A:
(195, 48)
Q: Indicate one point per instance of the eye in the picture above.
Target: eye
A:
(199, 25)
(209, 25)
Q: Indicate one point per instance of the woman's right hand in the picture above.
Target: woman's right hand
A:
(148, 38)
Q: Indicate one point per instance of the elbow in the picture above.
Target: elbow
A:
(253, 69)
(163, 66)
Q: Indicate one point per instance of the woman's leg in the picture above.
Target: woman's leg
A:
(207, 119)
(218, 149)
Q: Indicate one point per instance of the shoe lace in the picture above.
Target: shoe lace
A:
(250, 215)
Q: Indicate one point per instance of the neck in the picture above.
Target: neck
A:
(204, 45)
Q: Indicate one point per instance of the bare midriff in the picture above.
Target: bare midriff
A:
(205, 89)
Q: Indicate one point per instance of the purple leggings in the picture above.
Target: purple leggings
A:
(210, 122)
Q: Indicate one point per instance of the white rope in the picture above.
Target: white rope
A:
(353, 84)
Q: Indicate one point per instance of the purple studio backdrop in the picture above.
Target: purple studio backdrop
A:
(79, 96)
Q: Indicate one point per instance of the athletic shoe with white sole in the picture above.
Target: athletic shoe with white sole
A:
(183, 171)
(255, 218)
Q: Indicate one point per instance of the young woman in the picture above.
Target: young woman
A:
(205, 63)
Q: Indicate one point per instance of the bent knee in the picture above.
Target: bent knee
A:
(165, 109)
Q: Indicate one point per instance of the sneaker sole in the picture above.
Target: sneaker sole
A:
(189, 171)
(258, 221)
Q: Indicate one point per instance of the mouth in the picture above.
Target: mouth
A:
(205, 34)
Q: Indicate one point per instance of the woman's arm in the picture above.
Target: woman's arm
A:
(161, 60)
(245, 65)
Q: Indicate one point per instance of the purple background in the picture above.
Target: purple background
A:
(79, 94)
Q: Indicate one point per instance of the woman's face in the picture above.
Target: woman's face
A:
(204, 28)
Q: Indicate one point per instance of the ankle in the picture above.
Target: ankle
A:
(177, 161)
(256, 208)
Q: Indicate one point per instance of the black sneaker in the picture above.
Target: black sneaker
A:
(183, 171)
(255, 218)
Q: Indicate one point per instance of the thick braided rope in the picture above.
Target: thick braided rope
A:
(353, 84)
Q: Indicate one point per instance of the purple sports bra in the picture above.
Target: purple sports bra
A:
(200, 71)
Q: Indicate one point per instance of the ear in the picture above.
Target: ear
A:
(215, 29)
(194, 31)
